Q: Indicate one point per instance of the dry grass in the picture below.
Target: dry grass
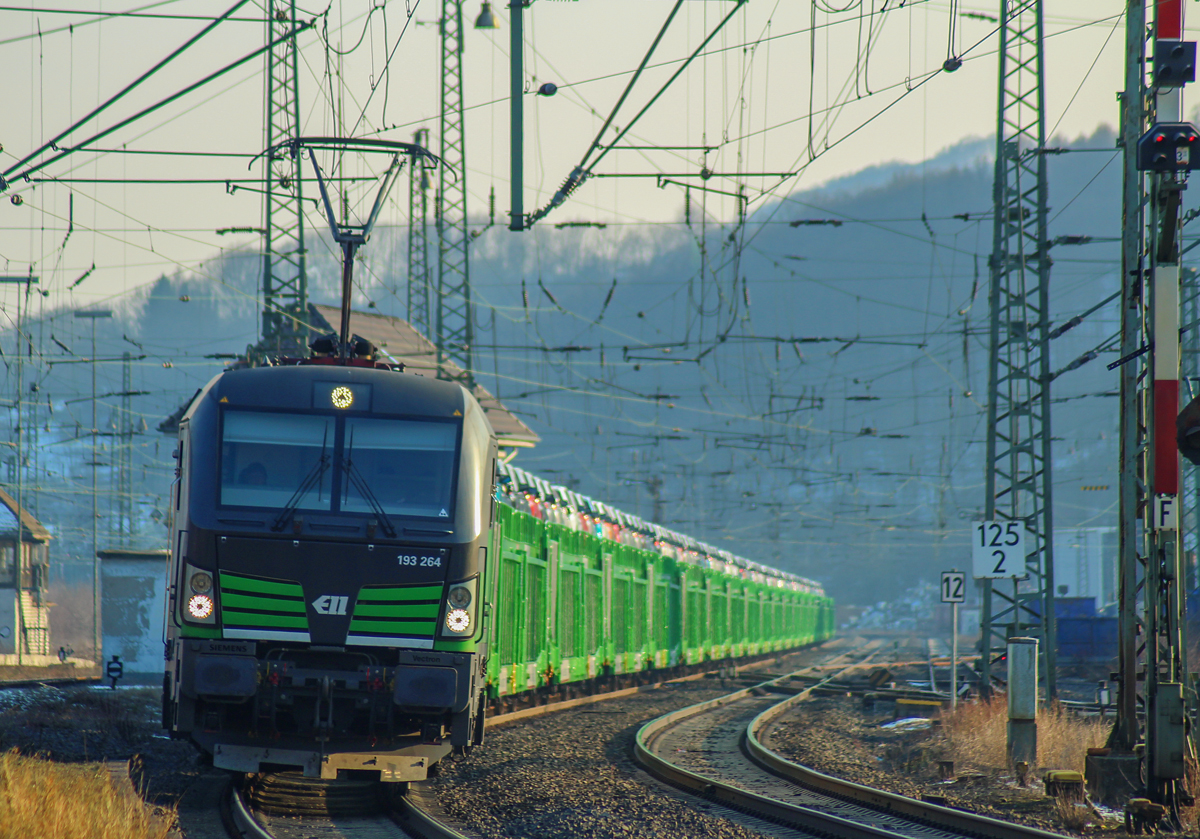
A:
(1189, 817)
(69, 801)
(978, 736)
(1075, 815)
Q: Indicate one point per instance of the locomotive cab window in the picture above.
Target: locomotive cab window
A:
(348, 464)
(409, 466)
(267, 457)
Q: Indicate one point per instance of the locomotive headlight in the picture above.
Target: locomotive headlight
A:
(198, 596)
(200, 606)
(460, 609)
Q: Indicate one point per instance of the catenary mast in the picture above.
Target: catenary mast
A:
(1018, 473)
(285, 279)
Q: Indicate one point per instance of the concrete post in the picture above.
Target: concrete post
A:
(1022, 700)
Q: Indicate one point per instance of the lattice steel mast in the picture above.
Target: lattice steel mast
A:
(454, 324)
(419, 274)
(285, 279)
(1018, 443)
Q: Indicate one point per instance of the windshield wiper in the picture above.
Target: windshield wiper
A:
(355, 477)
(313, 477)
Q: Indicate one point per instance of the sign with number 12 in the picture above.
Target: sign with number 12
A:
(954, 587)
(998, 549)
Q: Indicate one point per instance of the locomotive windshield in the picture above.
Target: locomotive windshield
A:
(266, 457)
(338, 463)
(408, 466)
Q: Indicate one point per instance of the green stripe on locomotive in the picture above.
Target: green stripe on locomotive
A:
(551, 584)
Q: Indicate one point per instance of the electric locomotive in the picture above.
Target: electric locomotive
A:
(331, 524)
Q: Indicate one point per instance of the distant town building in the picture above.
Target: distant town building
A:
(24, 575)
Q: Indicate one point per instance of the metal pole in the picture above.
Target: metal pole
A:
(19, 564)
(1125, 733)
(517, 114)
(1166, 738)
(93, 315)
(953, 657)
(419, 274)
(347, 292)
(96, 646)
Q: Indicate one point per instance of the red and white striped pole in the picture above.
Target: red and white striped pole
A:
(1168, 26)
(1165, 656)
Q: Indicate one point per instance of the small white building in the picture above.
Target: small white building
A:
(133, 610)
(24, 576)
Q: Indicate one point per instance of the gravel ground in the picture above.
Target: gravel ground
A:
(835, 735)
(85, 723)
(571, 773)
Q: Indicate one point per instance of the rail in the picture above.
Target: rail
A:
(888, 814)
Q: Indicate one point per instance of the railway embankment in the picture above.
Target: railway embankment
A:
(958, 760)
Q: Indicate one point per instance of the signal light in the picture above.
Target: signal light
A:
(342, 397)
(1160, 138)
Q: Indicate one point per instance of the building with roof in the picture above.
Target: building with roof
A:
(24, 576)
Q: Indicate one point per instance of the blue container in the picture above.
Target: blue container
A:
(1087, 639)
(1074, 607)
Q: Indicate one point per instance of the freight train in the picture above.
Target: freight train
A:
(356, 574)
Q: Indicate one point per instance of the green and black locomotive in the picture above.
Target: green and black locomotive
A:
(330, 534)
(355, 575)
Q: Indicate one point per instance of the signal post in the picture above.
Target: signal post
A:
(1159, 151)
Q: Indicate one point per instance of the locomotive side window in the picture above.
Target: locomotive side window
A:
(267, 457)
(409, 466)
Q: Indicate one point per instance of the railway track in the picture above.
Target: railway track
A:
(705, 740)
(715, 750)
(299, 808)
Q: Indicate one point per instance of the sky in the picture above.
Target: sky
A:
(868, 72)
